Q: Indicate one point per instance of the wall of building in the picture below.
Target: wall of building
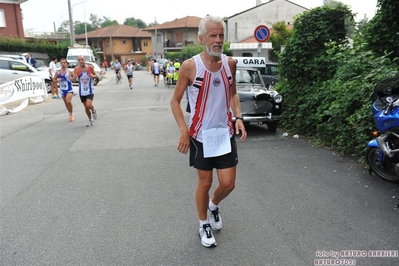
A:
(13, 19)
(242, 26)
(146, 45)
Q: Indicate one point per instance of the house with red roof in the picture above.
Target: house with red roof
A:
(120, 42)
(173, 35)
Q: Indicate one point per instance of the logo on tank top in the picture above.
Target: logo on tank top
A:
(216, 82)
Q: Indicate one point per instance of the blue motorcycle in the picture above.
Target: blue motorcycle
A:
(382, 154)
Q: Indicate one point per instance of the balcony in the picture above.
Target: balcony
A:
(168, 45)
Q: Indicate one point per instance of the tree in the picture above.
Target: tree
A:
(382, 32)
(138, 23)
(153, 24)
(64, 27)
(95, 21)
(81, 27)
(361, 25)
(331, 3)
(278, 37)
(108, 22)
(349, 22)
(305, 63)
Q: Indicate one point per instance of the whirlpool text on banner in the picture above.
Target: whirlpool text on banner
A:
(22, 88)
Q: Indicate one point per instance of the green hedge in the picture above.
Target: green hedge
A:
(326, 82)
(41, 46)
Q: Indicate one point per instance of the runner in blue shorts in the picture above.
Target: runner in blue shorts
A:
(64, 78)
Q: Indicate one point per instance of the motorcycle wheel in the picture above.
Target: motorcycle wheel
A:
(386, 169)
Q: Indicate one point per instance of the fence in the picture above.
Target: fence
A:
(39, 56)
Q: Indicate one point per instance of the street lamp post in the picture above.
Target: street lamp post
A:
(84, 14)
(71, 27)
(72, 34)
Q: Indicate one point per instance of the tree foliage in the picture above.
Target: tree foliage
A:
(278, 37)
(95, 22)
(138, 23)
(382, 32)
(82, 27)
(106, 22)
(326, 81)
(304, 61)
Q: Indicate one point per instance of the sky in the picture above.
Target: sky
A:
(40, 16)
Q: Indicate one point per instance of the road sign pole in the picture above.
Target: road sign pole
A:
(261, 34)
(259, 50)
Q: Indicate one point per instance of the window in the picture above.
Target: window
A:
(123, 41)
(145, 44)
(2, 18)
(3, 64)
(19, 66)
(235, 31)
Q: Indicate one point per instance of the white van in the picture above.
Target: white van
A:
(76, 50)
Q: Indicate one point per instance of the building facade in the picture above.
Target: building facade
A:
(241, 26)
(120, 42)
(11, 18)
(173, 35)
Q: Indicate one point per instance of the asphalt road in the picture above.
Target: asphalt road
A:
(119, 193)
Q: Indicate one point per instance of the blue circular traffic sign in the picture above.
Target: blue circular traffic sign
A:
(262, 33)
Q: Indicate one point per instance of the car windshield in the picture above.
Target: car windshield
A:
(248, 76)
(40, 63)
(72, 64)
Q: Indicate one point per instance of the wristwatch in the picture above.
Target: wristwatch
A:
(239, 118)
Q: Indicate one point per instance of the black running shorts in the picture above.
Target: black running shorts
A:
(220, 162)
(90, 97)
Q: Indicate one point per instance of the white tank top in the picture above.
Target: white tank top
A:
(129, 70)
(209, 99)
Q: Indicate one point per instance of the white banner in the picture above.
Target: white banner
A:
(22, 88)
(250, 61)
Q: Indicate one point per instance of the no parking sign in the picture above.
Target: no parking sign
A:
(262, 33)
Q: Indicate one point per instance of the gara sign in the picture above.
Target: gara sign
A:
(257, 62)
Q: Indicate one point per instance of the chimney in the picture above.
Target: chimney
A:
(258, 2)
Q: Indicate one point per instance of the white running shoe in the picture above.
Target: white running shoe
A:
(207, 238)
(90, 123)
(215, 219)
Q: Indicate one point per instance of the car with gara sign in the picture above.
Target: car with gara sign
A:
(259, 104)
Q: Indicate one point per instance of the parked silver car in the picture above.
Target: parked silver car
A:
(12, 69)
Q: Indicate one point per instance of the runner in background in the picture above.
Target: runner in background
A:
(129, 72)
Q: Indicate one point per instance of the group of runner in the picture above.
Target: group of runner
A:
(169, 71)
(84, 74)
(128, 68)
